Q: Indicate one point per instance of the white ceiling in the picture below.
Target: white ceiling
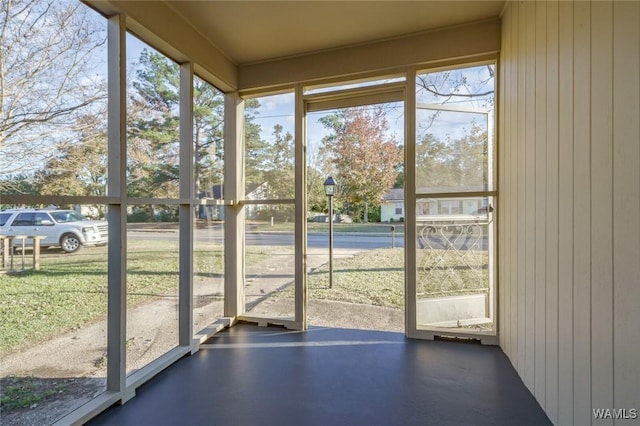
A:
(254, 31)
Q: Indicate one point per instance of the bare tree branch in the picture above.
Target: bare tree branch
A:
(49, 79)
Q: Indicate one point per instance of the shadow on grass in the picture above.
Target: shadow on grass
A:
(268, 275)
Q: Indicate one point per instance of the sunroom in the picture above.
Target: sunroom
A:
(510, 129)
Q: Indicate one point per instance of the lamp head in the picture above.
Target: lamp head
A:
(329, 186)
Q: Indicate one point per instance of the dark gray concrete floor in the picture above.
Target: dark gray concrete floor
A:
(249, 375)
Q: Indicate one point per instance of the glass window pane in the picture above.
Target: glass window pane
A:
(153, 137)
(270, 147)
(451, 151)
(470, 87)
(208, 242)
(208, 127)
(208, 267)
(54, 87)
(53, 301)
(53, 307)
(453, 258)
(270, 260)
(454, 130)
(152, 283)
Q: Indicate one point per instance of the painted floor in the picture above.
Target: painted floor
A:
(250, 375)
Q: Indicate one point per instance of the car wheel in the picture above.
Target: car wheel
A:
(70, 243)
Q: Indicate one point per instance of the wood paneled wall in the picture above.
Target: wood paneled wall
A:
(569, 180)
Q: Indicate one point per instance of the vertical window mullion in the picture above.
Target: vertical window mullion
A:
(234, 213)
(117, 211)
(410, 204)
(301, 296)
(187, 220)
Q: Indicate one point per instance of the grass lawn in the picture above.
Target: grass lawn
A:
(373, 277)
(376, 277)
(70, 290)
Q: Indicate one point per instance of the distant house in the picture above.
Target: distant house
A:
(211, 212)
(392, 205)
(255, 191)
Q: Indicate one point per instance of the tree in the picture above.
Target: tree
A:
(279, 162)
(279, 174)
(475, 84)
(318, 168)
(47, 79)
(153, 137)
(365, 158)
(399, 182)
(450, 154)
(255, 147)
(154, 129)
(79, 168)
(208, 123)
(452, 163)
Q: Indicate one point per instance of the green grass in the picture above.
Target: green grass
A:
(446, 273)
(373, 277)
(26, 392)
(70, 290)
(376, 277)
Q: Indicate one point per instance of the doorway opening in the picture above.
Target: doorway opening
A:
(361, 147)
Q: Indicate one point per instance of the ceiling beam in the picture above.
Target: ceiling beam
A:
(476, 41)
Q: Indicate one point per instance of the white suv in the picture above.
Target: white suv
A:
(64, 228)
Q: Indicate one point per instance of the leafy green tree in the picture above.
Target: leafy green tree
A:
(256, 148)
(19, 183)
(399, 182)
(365, 158)
(279, 163)
(318, 168)
(280, 173)
(153, 128)
(452, 163)
(208, 114)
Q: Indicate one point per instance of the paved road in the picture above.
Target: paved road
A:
(360, 241)
(344, 240)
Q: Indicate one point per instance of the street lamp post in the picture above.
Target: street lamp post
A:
(329, 190)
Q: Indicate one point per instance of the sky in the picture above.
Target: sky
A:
(280, 108)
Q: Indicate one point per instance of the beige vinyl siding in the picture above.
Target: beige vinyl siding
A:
(569, 123)
(540, 200)
(601, 205)
(626, 204)
(565, 215)
(551, 217)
